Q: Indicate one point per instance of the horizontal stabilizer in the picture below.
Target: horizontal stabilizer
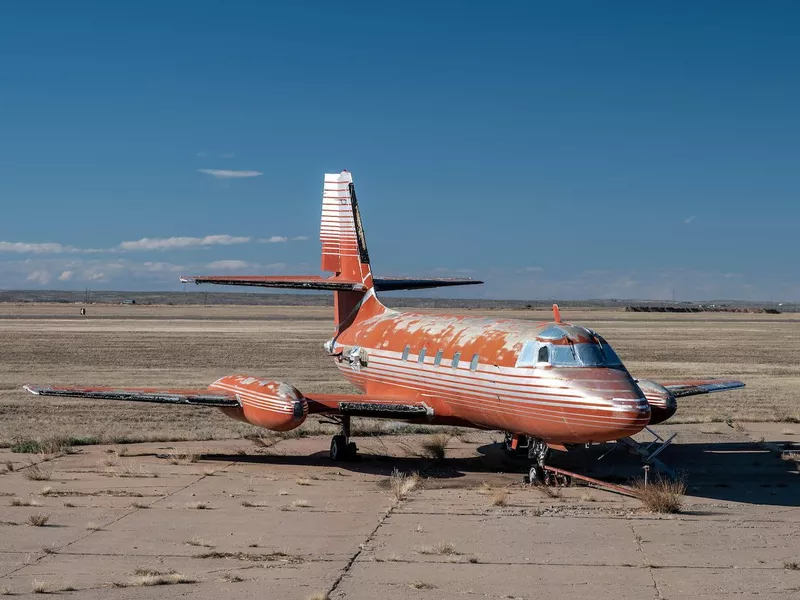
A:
(156, 395)
(388, 284)
(315, 282)
(298, 282)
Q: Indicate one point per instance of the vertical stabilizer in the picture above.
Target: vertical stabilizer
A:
(344, 246)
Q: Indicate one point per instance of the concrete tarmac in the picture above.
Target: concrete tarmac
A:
(235, 520)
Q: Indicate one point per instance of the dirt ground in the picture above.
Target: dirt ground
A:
(194, 345)
(230, 519)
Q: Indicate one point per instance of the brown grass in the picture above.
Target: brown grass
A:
(198, 505)
(198, 542)
(421, 585)
(791, 565)
(440, 549)
(435, 446)
(661, 495)
(231, 578)
(160, 579)
(176, 458)
(250, 556)
(401, 484)
(500, 498)
(319, 596)
(39, 472)
(39, 587)
(38, 520)
(24, 502)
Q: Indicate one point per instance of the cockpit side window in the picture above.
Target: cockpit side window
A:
(543, 355)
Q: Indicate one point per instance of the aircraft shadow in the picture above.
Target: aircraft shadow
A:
(726, 471)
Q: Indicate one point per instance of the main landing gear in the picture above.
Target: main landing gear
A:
(341, 447)
(538, 451)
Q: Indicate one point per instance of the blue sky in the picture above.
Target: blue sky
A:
(568, 150)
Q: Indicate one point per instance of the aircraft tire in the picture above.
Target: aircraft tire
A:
(339, 448)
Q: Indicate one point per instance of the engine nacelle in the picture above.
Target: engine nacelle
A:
(270, 404)
(662, 402)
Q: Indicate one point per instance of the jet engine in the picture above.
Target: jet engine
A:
(662, 402)
(270, 404)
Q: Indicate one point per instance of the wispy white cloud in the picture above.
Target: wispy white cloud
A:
(94, 275)
(37, 248)
(142, 244)
(173, 243)
(66, 275)
(227, 155)
(39, 276)
(688, 220)
(228, 265)
(229, 173)
(161, 267)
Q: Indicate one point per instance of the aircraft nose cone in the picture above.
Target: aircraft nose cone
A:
(632, 415)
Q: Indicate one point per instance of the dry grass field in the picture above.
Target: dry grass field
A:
(193, 345)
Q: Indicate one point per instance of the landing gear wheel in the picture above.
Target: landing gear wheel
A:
(338, 448)
(352, 451)
(341, 449)
(535, 475)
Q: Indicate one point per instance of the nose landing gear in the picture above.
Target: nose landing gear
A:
(537, 450)
(342, 448)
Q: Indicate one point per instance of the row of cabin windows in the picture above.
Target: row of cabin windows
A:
(473, 365)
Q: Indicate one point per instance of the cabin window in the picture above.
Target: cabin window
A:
(544, 355)
(406, 350)
(473, 365)
(421, 357)
(456, 358)
(438, 360)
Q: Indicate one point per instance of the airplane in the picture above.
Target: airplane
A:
(547, 385)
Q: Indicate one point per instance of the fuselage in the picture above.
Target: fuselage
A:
(553, 381)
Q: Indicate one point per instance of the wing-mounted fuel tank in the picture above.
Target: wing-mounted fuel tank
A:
(662, 402)
(270, 404)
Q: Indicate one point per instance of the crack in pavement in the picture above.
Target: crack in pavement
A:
(638, 539)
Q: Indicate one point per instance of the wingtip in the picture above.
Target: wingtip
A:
(31, 388)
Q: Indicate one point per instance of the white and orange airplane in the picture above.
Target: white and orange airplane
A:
(545, 384)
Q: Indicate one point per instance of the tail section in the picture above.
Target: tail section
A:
(344, 253)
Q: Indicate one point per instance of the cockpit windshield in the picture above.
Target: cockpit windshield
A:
(565, 353)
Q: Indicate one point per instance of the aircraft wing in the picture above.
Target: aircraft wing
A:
(356, 405)
(680, 389)
(199, 397)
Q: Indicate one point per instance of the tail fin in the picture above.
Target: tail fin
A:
(344, 247)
